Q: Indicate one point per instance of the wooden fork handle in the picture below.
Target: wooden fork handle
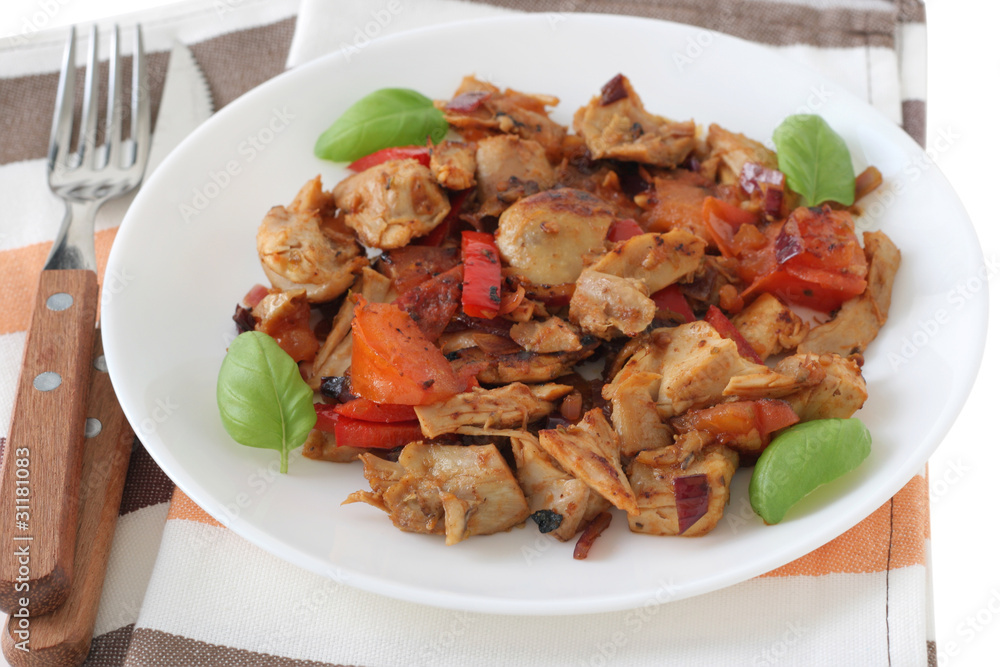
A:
(63, 637)
(40, 474)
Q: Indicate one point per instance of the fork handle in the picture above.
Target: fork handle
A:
(63, 637)
(40, 474)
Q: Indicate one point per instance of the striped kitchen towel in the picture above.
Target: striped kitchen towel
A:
(181, 589)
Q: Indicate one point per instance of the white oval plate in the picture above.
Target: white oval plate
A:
(185, 255)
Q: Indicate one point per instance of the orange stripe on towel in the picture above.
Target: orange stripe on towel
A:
(19, 269)
(892, 536)
(182, 507)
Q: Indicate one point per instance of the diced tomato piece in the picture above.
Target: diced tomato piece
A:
(370, 411)
(814, 260)
(419, 153)
(481, 284)
(624, 229)
(727, 329)
(773, 414)
(392, 361)
(432, 303)
(672, 299)
(723, 220)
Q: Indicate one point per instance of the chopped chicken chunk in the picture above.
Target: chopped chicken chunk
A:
(770, 326)
(305, 246)
(553, 334)
(480, 108)
(698, 364)
(507, 169)
(453, 164)
(454, 490)
(391, 203)
(284, 316)
(657, 260)
(702, 477)
(858, 321)
(734, 150)
(548, 236)
(512, 405)
(591, 452)
(624, 130)
(527, 367)
(549, 487)
(633, 411)
(840, 394)
(604, 305)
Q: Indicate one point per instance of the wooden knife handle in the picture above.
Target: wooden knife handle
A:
(63, 636)
(40, 476)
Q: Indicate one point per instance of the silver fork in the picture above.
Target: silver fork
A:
(40, 482)
(91, 175)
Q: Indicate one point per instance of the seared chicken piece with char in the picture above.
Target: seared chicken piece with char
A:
(547, 237)
(668, 480)
(453, 164)
(770, 326)
(392, 203)
(509, 406)
(590, 451)
(305, 246)
(549, 487)
(633, 411)
(552, 334)
(616, 125)
(657, 260)
(454, 490)
(507, 169)
(858, 321)
(523, 366)
(322, 446)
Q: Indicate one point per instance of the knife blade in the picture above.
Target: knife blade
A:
(186, 102)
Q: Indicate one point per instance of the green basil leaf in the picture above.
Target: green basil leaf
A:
(815, 160)
(385, 118)
(802, 458)
(263, 400)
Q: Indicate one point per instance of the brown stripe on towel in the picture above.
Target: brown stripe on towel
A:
(776, 23)
(154, 648)
(145, 484)
(233, 64)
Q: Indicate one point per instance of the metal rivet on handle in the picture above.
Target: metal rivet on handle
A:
(92, 428)
(47, 381)
(59, 301)
(101, 364)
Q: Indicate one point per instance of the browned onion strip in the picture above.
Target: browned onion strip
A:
(590, 535)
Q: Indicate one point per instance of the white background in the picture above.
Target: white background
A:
(963, 110)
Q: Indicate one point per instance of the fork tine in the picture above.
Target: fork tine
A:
(88, 126)
(141, 124)
(62, 118)
(113, 125)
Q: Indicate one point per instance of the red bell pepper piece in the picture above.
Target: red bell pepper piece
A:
(419, 153)
(726, 329)
(624, 229)
(370, 411)
(670, 298)
(481, 283)
(366, 434)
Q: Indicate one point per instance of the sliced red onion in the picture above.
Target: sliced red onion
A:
(789, 242)
(754, 174)
(467, 102)
(774, 197)
(691, 494)
(613, 90)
